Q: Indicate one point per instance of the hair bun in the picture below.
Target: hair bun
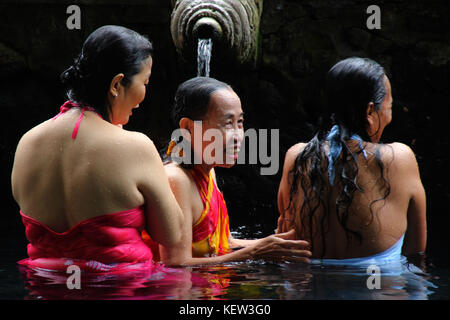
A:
(73, 74)
(73, 79)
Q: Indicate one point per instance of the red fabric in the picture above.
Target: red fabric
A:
(114, 260)
(214, 222)
(213, 225)
(91, 244)
(153, 245)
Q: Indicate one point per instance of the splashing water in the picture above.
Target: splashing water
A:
(204, 50)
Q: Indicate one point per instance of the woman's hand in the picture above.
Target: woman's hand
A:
(282, 247)
(277, 248)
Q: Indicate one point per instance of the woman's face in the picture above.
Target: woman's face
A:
(379, 119)
(224, 119)
(128, 98)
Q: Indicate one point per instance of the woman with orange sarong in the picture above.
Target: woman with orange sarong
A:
(205, 105)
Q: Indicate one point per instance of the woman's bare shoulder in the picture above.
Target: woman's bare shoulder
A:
(35, 134)
(402, 149)
(398, 152)
(130, 142)
(184, 188)
(399, 157)
(177, 175)
(293, 153)
(296, 148)
(135, 138)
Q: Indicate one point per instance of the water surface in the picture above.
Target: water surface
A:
(234, 281)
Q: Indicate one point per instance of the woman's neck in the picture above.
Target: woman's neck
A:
(206, 168)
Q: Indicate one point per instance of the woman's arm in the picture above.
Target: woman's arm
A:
(235, 243)
(163, 214)
(181, 253)
(286, 219)
(275, 247)
(416, 232)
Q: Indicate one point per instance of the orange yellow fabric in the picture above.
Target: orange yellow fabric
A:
(211, 232)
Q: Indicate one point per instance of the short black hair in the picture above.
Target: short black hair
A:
(192, 98)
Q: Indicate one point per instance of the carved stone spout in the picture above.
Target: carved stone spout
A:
(232, 24)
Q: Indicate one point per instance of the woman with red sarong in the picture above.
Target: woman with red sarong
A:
(86, 187)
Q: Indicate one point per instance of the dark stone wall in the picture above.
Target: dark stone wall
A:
(299, 41)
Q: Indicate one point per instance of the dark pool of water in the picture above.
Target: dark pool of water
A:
(235, 281)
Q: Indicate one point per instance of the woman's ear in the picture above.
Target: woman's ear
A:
(186, 123)
(370, 113)
(188, 126)
(116, 88)
(373, 122)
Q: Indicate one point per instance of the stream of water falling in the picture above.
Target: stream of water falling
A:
(204, 50)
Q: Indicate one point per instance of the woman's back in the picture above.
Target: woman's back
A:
(379, 214)
(61, 181)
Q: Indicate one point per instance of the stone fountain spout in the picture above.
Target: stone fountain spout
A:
(234, 24)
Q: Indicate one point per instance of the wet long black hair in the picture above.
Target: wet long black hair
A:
(351, 85)
(107, 51)
(192, 101)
